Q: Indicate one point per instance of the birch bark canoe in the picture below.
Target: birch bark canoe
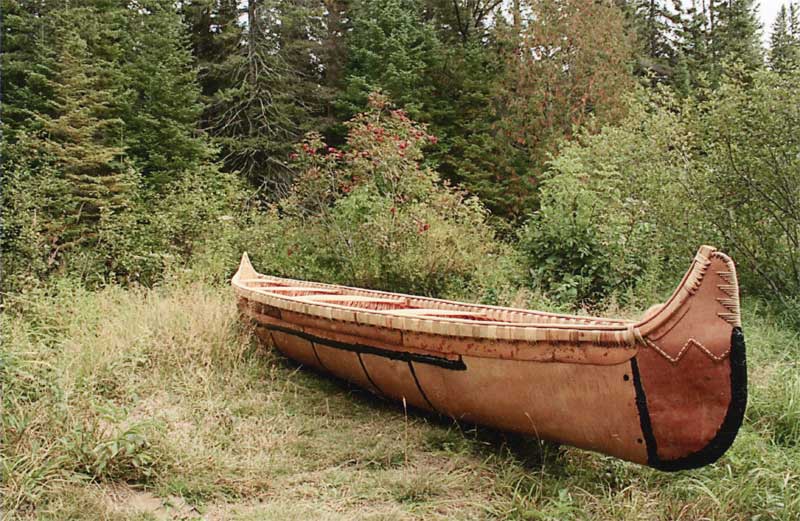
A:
(668, 390)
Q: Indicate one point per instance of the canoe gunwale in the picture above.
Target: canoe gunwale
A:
(521, 327)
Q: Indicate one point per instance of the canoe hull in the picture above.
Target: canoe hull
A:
(675, 401)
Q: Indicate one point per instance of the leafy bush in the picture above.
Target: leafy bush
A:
(372, 215)
(606, 213)
(630, 205)
(748, 151)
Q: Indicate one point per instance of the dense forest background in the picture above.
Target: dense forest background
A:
(565, 155)
(581, 150)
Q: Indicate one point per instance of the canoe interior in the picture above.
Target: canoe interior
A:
(411, 306)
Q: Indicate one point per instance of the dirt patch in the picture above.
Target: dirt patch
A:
(125, 500)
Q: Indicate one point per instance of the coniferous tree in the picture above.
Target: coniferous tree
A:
(567, 72)
(693, 47)
(215, 35)
(310, 37)
(252, 108)
(736, 35)
(464, 21)
(652, 21)
(162, 107)
(84, 141)
(391, 48)
(25, 65)
(784, 49)
(439, 60)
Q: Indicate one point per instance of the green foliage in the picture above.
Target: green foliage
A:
(373, 215)
(33, 209)
(82, 139)
(576, 255)
(550, 90)
(26, 65)
(439, 62)
(607, 219)
(107, 179)
(750, 172)
(254, 105)
(652, 22)
(672, 176)
(161, 108)
(784, 48)
(393, 49)
(737, 34)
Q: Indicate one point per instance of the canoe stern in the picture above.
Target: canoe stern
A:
(691, 380)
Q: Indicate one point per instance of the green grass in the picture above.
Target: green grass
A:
(157, 404)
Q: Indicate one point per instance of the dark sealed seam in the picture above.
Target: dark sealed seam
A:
(366, 373)
(419, 387)
(316, 355)
(455, 365)
(724, 437)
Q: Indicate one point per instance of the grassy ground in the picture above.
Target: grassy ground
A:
(158, 405)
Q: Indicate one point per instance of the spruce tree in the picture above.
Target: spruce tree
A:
(27, 63)
(393, 49)
(693, 48)
(652, 23)
(736, 35)
(252, 109)
(162, 109)
(85, 142)
(784, 49)
(439, 61)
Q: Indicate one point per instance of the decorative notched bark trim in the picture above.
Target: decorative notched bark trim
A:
(724, 437)
(698, 274)
(691, 342)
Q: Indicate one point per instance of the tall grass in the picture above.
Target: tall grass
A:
(142, 404)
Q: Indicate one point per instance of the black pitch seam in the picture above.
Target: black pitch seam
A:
(724, 437)
(316, 355)
(366, 373)
(416, 381)
(455, 365)
(644, 414)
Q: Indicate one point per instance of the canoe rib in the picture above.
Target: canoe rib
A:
(668, 390)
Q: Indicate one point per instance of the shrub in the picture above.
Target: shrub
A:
(373, 215)
(607, 215)
(748, 150)
(638, 199)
